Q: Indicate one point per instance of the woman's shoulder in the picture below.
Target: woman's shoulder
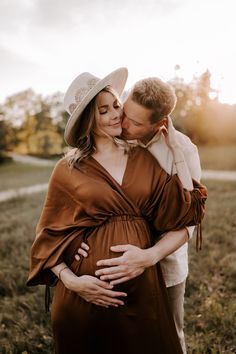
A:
(61, 171)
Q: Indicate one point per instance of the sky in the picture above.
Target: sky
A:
(45, 44)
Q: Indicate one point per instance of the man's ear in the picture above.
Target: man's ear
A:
(160, 123)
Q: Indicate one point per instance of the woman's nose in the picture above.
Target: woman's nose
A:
(116, 113)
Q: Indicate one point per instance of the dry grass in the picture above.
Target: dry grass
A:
(218, 157)
(210, 300)
(16, 175)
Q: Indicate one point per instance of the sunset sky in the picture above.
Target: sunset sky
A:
(44, 44)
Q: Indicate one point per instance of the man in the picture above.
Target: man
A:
(145, 119)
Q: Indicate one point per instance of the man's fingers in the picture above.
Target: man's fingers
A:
(121, 280)
(82, 252)
(110, 270)
(120, 248)
(84, 246)
(110, 262)
(112, 276)
(77, 257)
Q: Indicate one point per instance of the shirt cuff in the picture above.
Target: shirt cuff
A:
(190, 230)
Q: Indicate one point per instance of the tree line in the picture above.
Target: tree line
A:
(33, 124)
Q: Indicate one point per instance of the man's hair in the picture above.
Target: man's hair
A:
(154, 94)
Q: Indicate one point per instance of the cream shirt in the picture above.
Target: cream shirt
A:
(175, 266)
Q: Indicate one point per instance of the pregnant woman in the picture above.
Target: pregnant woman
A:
(107, 193)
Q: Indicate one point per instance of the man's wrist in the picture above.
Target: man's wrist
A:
(152, 256)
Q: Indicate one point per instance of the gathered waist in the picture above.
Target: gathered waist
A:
(124, 217)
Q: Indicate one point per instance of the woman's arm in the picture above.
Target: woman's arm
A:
(91, 289)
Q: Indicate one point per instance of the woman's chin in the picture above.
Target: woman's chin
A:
(116, 131)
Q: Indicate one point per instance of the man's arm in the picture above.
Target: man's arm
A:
(135, 260)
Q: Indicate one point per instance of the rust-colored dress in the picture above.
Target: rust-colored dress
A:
(90, 203)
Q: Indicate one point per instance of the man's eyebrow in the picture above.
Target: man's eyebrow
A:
(133, 120)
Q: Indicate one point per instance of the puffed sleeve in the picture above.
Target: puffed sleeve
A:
(55, 230)
(177, 207)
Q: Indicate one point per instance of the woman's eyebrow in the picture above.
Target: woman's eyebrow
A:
(104, 106)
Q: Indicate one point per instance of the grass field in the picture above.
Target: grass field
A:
(210, 296)
(210, 300)
(218, 157)
(16, 175)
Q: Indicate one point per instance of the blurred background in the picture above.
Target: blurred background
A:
(44, 45)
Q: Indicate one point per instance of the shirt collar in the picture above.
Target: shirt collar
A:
(155, 138)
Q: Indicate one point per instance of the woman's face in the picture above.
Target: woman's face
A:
(108, 119)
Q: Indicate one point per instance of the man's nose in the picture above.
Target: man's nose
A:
(124, 123)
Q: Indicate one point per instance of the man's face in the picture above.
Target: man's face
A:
(136, 122)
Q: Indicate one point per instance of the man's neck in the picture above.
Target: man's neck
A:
(145, 140)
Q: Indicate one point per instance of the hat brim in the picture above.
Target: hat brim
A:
(117, 79)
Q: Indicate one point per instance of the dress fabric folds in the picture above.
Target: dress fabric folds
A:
(88, 204)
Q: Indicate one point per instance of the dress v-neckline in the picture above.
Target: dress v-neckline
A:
(108, 173)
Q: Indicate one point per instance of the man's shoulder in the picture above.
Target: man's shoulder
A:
(185, 142)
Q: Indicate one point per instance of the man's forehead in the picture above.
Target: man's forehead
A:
(135, 111)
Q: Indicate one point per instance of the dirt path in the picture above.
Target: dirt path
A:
(14, 193)
(219, 175)
(31, 160)
(19, 192)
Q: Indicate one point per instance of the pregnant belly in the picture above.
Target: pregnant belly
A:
(116, 231)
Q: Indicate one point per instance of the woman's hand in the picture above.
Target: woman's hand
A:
(169, 132)
(94, 290)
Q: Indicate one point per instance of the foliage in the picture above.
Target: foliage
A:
(38, 123)
(32, 124)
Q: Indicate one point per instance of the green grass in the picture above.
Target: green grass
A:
(218, 157)
(210, 300)
(15, 175)
(210, 297)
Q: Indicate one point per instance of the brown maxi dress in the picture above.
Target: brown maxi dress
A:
(91, 204)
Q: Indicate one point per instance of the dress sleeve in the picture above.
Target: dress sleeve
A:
(175, 207)
(54, 232)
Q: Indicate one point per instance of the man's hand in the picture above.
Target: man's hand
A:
(128, 266)
(82, 251)
(169, 132)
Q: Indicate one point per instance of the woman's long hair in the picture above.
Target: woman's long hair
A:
(85, 144)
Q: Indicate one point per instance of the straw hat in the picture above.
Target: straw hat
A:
(81, 91)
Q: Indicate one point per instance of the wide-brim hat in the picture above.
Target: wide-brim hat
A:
(81, 91)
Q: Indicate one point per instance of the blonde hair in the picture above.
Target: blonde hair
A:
(85, 144)
(154, 94)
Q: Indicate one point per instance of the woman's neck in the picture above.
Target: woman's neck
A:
(104, 145)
